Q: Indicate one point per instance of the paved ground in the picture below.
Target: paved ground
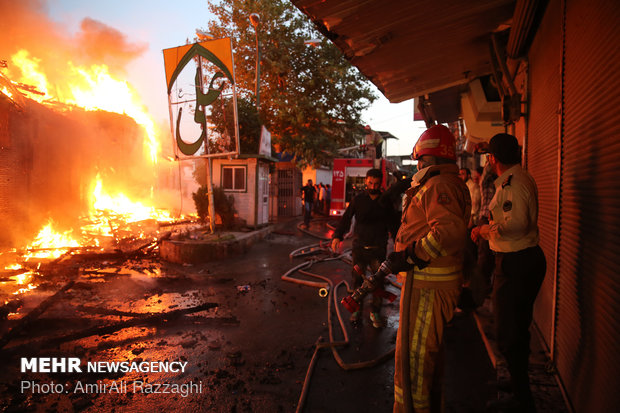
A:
(249, 353)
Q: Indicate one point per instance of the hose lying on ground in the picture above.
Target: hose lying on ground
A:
(307, 231)
(332, 298)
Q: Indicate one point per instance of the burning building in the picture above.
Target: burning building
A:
(49, 160)
(74, 137)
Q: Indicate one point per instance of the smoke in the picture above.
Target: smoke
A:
(26, 25)
(54, 155)
(102, 43)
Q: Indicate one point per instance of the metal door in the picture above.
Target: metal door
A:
(289, 185)
(263, 193)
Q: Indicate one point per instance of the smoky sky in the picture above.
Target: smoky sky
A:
(55, 155)
(26, 25)
(102, 43)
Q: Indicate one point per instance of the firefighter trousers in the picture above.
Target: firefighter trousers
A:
(430, 309)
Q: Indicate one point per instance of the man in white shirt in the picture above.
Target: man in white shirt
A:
(519, 263)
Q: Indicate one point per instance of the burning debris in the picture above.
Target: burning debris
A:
(80, 276)
(80, 154)
(111, 225)
(75, 138)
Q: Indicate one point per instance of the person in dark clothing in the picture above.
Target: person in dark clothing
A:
(374, 220)
(394, 193)
(308, 194)
(328, 198)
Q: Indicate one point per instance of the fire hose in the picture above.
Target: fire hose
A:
(305, 230)
(327, 288)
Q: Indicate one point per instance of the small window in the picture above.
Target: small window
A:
(233, 178)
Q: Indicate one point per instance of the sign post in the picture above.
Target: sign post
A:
(191, 136)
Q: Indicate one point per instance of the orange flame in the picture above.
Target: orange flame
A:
(120, 205)
(92, 88)
(7, 92)
(31, 73)
(51, 244)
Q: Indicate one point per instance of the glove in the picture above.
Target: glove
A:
(401, 260)
(397, 261)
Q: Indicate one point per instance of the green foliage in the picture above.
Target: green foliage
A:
(200, 171)
(311, 98)
(224, 205)
(249, 125)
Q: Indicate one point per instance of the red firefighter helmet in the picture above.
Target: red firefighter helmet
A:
(436, 141)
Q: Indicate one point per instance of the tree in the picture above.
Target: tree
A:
(224, 205)
(249, 126)
(311, 98)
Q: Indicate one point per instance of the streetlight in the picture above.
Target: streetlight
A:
(202, 35)
(312, 42)
(255, 20)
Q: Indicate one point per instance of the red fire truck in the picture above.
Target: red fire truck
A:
(348, 179)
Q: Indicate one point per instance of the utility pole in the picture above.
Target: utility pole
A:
(255, 20)
(203, 35)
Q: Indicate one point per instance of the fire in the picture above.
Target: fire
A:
(121, 205)
(92, 88)
(102, 91)
(59, 77)
(51, 244)
(32, 75)
(105, 212)
(24, 277)
(24, 280)
(7, 92)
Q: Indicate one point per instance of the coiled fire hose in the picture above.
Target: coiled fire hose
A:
(326, 286)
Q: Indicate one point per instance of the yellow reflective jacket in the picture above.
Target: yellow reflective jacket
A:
(436, 212)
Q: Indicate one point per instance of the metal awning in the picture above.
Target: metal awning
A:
(410, 48)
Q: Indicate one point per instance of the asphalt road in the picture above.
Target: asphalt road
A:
(249, 353)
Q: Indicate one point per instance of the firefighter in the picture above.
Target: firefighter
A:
(520, 264)
(432, 236)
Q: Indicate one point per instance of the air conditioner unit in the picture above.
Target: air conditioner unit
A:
(482, 115)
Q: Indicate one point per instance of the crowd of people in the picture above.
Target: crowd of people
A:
(458, 231)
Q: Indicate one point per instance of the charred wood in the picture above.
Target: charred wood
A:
(34, 314)
(109, 329)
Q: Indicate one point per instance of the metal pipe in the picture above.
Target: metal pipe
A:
(501, 60)
(209, 165)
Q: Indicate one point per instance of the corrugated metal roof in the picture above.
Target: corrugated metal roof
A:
(410, 48)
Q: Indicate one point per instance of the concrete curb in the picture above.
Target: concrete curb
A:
(196, 252)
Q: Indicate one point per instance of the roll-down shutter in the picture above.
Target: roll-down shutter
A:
(544, 82)
(588, 308)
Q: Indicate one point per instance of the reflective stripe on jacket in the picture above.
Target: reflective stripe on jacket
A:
(435, 217)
